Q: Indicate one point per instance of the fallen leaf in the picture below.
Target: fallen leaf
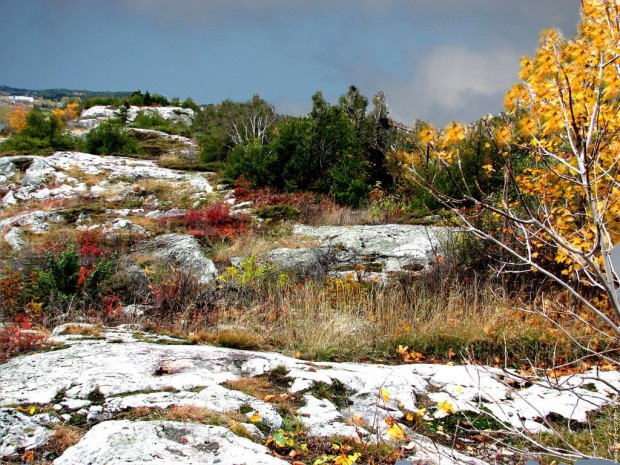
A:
(385, 395)
(255, 418)
(446, 407)
(396, 432)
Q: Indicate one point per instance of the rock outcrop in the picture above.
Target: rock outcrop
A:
(97, 114)
(181, 252)
(100, 378)
(366, 252)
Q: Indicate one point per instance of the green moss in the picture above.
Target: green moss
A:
(336, 393)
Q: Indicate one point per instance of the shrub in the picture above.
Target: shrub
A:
(278, 212)
(42, 133)
(15, 340)
(215, 222)
(255, 274)
(111, 138)
(68, 279)
(151, 119)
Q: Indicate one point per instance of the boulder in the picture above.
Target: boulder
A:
(387, 248)
(381, 250)
(19, 432)
(180, 251)
(164, 442)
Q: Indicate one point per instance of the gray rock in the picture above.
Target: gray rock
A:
(9, 199)
(75, 404)
(123, 225)
(428, 452)
(19, 431)
(135, 310)
(140, 372)
(183, 252)
(164, 442)
(392, 247)
(15, 238)
(97, 415)
(37, 173)
(36, 221)
(8, 169)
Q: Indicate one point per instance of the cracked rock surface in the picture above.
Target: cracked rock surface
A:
(102, 377)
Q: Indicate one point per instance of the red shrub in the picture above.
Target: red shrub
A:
(90, 244)
(215, 222)
(14, 340)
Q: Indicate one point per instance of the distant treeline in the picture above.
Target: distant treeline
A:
(58, 94)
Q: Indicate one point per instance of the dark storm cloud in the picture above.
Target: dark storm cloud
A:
(435, 59)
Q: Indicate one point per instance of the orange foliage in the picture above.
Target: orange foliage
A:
(16, 120)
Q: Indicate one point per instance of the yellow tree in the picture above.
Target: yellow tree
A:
(68, 113)
(565, 114)
(16, 120)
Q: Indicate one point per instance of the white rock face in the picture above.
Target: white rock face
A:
(51, 169)
(164, 443)
(94, 116)
(382, 249)
(46, 178)
(131, 372)
(182, 252)
(15, 238)
(19, 431)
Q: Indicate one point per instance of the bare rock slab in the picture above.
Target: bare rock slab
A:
(164, 442)
(19, 432)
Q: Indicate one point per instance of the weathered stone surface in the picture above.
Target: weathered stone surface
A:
(95, 115)
(36, 221)
(383, 250)
(41, 171)
(15, 238)
(180, 251)
(428, 452)
(392, 247)
(164, 442)
(139, 371)
(20, 432)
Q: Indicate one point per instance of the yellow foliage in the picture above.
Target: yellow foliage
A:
(16, 120)
(396, 432)
(446, 407)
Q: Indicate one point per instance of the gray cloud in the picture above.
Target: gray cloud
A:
(444, 83)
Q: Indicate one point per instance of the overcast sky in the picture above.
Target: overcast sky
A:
(438, 60)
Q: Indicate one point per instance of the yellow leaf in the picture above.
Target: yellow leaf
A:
(446, 407)
(488, 168)
(459, 389)
(255, 418)
(32, 410)
(385, 395)
(396, 432)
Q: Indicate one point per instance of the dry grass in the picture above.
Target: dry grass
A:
(345, 319)
(255, 244)
(186, 413)
(64, 437)
(240, 338)
(89, 179)
(82, 330)
(165, 191)
(336, 215)
(255, 387)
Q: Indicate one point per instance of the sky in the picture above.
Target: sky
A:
(437, 60)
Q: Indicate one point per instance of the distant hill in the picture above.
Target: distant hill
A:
(57, 94)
